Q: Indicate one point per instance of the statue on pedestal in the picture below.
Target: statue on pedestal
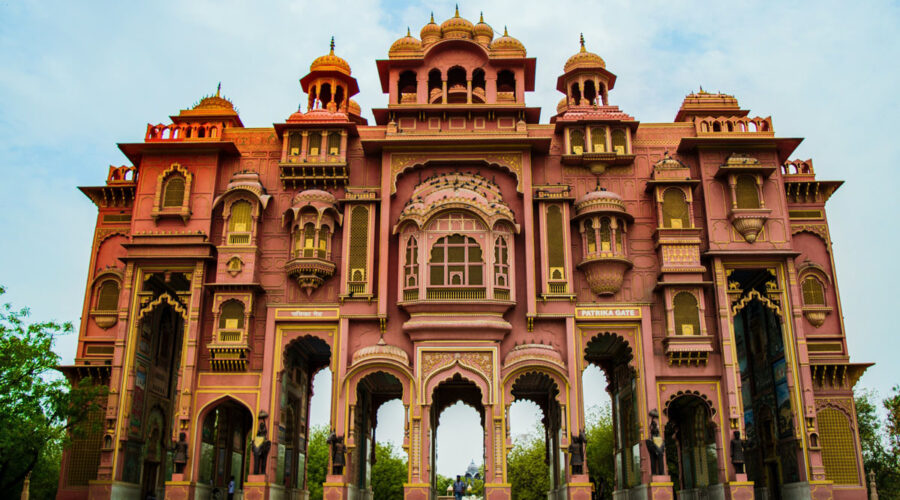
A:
(180, 456)
(337, 452)
(737, 453)
(656, 447)
(576, 452)
(260, 446)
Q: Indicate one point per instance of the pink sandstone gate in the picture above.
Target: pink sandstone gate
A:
(460, 250)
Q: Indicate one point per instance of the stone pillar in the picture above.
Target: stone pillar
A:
(323, 146)
(444, 92)
(304, 144)
(468, 91)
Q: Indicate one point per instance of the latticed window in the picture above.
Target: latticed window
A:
(838, 448)
(576, 141)
(315, 144)
(746, 192)
(456, 261)
(309, 240)
(108, 296)
(813, 292)
(687, 314)
(619, 143)
(598, 139)
(334, 144)
(675, 209)
(173, 192)
(605, 235)
(231, 316)
(359, 242)
(324, 240)
(555, 245)
(295, 144)
(239, 223)
(411, 266)
(501, 263)
(590, 236)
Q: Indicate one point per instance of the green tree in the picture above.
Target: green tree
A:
(389, 472)
(884, 461)
(526, 469)
(600, 445)
(317, 467)
(441, 484)
(39, 409)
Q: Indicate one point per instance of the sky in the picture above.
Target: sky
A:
(78, 77)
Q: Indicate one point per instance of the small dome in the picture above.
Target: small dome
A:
(668, 163)
(353, 108)
(406, 46)
(311, 195)
(584, 59)
(457, 27)
(507, 46)
(330, 62)
(431, 32)
(600, 201)
(563, 105)
(215, 101)
(381, 350)
(483, 30)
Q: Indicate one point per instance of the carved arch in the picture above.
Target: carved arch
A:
(172, 301)
(467, 373)
(358, 373)
(184, 211)
(511, 162)
(691, 394)
(740, 304)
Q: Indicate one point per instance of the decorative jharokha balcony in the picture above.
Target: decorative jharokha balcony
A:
(602, 222)
(745, 176)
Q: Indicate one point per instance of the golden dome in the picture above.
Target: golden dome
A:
(563, 105)
(457, 27)
(482, 29)
(330, 62)
(431, 32)
(353, 108)
(584, 59)
(215, 101)
(406, 46)
(507, 46)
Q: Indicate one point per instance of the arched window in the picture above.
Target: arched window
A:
(555, 252)
(407, 87)
(746, 192)
(296, 140)
(108, 296)
(598, 139)
(411, 266)
(501, 263)
(339, 96)
(838, 447)
(315, 144)
(813, 292)
(173, 192)
(687, 314)
(675, 209)
(231, 315)
(435, 85)
(590, 92)
(619, 143)
(590, 236)
(239, 223)
(576, 141)
(324, 241)
(478, 85)
(309, 240)
(506, 81)
(576, 94)
(456, 261)
(334, 144)
(325, 94)
(605, 235)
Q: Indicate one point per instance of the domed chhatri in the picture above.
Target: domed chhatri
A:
(457, 27)
(507, 46)
(431, 32)
(215, 102)
(483, 31)
(330, 62)
(408, 46)
(584, 59)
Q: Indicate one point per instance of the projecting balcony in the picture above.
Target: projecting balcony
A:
(310, 272)
(476, 312)
(228, 350)
(605, 273)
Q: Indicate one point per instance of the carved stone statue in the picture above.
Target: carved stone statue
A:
(656, 447)
(576, 452)
(180, 456)
(337, 452)
(260, 446)
(737, 453)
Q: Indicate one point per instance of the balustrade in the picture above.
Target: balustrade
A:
(184, 132)
(733, 125)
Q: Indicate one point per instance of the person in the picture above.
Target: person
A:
(231, 488)
(459, 488)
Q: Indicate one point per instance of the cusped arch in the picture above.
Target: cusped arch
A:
(559, 379)
(358, 373)
(168, 299)
(447, 372)
(608, 346)
(404, 162)
(304, 340)
(698, 394)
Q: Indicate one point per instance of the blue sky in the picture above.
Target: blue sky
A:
(75, 78)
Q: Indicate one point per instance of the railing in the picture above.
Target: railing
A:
(184, 131)
(558, 288)
(798, 167)
(355, 287)
(239, 239)
(454, 293)
(501, 294)
(410, 295)
(230, 335)
(733, 125)
(506, 97)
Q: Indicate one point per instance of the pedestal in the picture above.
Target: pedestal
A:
(257, 488)
(179, 489)
(661, 488)
(739, 489)
(497, 491)
(416, 491)
(796, 491)
(334, 488)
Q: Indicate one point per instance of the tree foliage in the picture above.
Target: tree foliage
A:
(880, 449)
(600, 455)
(39, 408)
(389, 472)
(317, 465)
(526, 469)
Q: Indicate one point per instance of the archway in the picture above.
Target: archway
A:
(306, 361)
(224, 445)
(457, 397)
(541, 390)
(613, 355)
(372, 391)
(691, 454)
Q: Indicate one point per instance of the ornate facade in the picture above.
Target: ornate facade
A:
(458, 249)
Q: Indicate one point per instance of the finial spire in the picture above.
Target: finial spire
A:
(481, 17)
(581, 39)
(457, 11)
(505, 33)
(432, 18)
(219, 90)
(332, 44)
(408, 33)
